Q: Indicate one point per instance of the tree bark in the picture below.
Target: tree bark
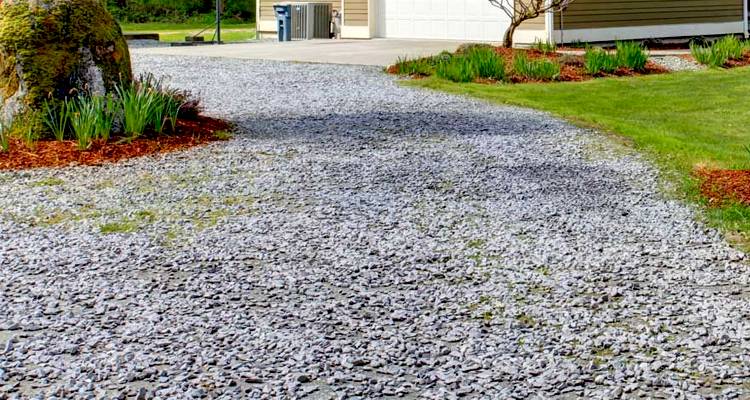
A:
(508, 37)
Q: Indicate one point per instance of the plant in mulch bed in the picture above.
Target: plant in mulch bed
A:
(413, 67)
(140, 118)
(718, 53)
(4, 143)
(537, 70)
(83, 115)
(457, 69)
(57, 119)
(544, 47)
(632, 55)
(487, 63)
(597, 60)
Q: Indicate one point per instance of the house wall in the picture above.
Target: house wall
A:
(608, 20)
(356, 13)
(531, 31)
(588, 14)
(356, 17)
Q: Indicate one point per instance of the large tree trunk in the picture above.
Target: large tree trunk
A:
(508, 37)
(56, 49)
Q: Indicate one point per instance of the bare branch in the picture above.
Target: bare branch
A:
(522, 10)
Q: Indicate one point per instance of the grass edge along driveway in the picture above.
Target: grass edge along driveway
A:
(681, 121)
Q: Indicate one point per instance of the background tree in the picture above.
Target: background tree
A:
(522, 10)
(177, 11)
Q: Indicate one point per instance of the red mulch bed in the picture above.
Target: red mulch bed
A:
(739, 63)
(50, 153)
(723, 186)
(572, 66)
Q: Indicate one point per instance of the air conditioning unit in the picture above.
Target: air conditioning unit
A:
(311, 20)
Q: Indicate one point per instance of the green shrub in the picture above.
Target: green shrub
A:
(632, 55)
(487, 63)
(459, 69)
(544, 46)
(597, 60)
(538, 70)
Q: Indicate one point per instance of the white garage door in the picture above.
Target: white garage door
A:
(440, 19)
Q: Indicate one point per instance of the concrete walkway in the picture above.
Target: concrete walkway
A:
(378, 52)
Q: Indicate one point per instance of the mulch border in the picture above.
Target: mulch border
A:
(59, 154)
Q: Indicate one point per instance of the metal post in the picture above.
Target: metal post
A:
(218, 21)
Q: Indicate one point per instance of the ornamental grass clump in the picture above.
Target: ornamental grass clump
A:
(57, 118)
(83, 116)
(632, 55)
(106, 109)
(137, 110)
(414, 67)
(458, 69)
(597, 60)
(4, 142)
(487, 63)
(538, 70)
(720, 52)
(731, 47)
(544, 46)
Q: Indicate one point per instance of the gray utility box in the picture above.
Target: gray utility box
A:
(311, 20)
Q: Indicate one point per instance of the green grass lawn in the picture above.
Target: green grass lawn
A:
(176, 32)
(681, 120)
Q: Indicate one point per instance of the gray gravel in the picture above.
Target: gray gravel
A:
(675, 63)
(362, 240)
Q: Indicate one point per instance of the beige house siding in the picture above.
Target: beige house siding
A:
(537, 24)
(355, 13)
(265, 8)
(588, 14)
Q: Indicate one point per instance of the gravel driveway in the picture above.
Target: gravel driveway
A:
(360, 239)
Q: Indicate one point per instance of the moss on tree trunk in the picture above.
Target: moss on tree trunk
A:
(53, 49)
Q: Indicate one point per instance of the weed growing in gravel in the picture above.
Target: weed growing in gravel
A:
(526, 320)
(118, 227)
(49, 182)
(223, 135)
(537, 70)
